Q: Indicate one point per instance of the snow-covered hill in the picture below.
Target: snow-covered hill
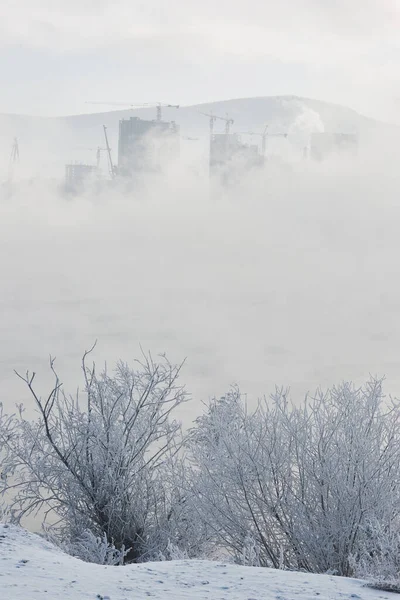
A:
(33, 569)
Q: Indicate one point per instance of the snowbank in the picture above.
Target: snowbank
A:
(33, 569)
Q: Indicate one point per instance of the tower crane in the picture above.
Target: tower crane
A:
(111, 167)
(264, 134)
(212, 117)
(99, 150)
(158, 105)
(14, 157)
(98, 155)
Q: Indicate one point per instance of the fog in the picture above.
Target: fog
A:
(289, 278)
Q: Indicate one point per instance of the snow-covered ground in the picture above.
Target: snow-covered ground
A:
(31, 568)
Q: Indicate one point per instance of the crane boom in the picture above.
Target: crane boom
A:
(228, 122)
(110, 163)
(213, 118)
(158, 105)
(264, 136)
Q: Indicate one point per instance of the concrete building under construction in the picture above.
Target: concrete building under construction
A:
(77, 175)
(230, 157)
(146, 146)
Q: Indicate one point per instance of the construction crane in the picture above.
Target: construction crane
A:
(264, 136)
(98, 153)
(158, 105)
(111, 167)
(14, 158)
(212, 117)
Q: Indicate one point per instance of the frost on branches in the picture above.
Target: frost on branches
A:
(310, 485)
(94, 549)
(106, 461)
(302, 482)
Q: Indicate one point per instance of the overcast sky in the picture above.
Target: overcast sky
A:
(57, 54)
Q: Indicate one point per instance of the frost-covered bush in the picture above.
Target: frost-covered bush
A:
(250, 553)
(311, 485)
(105, 461)
(172, 552)
(301, 480)
(378, 560)
(93, 549)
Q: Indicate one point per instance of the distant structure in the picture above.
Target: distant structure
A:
(144, 146)
(265, 134)
(14, 159)
(133, 105)
(229, 157)
(213, 118)
(111, 167)
(77, 176)
(325, 144)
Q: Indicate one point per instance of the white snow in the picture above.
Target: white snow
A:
(31, 568)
